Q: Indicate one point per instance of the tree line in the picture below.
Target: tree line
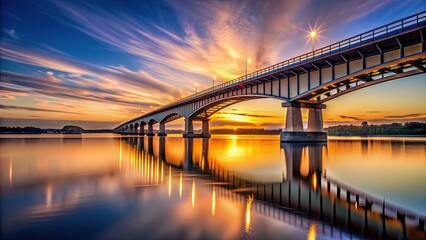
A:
(410, 128)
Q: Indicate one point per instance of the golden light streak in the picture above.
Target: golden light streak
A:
(162, 172)
(49, 194)
(157, 172)
(248, 213)
(304, 163)
(180, 185)
(312, 232)
(170, 181)
(121, 155)
(10, 172)
(213, 201)
(314, 180)
(151, 179)
(193, 193)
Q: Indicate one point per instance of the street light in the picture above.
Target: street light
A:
(313, 34)
(171, 98)
(214, 78)
(248, 61)
(180, 94)
(196, 85)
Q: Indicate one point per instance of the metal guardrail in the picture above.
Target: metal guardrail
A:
(386, 31)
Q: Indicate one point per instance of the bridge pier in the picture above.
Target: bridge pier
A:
(142, 129)
(294, 126)
(162, 131)
(189, 129)
(205, 128)
(150, 130)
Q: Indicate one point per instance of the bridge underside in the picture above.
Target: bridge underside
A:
(300, 83)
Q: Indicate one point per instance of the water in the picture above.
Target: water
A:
(104, 186)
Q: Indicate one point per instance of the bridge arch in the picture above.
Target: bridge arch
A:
(207, 110)
(170, 117)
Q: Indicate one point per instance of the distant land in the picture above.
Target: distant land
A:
(69, 129)
(365, 129)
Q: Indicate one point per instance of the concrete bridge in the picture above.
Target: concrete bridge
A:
(393, 51)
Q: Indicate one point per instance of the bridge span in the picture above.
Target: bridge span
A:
(390, 52)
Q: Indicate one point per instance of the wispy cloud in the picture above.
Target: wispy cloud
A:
(245, 114)
(350, 117)
(404, 116)
(33, 109)
(11, 33)
(374, 111)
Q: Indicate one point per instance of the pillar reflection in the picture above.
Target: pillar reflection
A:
(188, 162)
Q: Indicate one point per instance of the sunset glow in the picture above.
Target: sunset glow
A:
(96, 65)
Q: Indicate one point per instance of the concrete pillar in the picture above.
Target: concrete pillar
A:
(315, 122)
(135, 130)
(205, 128)
(150, 130)
(294, 125)
(162, 131)
(142, 129)
(293, 121)
(189, 128)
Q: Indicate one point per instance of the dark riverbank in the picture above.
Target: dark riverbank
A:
(394, 129)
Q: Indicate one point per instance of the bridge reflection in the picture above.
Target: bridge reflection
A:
(303, 192)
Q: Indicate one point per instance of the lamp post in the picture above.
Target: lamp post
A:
(180, 94)
(171, 98)
(214, 78)
(247, 62)
(196, 85)
(313, 34)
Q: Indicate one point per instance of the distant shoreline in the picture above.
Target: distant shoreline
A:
(409, 129)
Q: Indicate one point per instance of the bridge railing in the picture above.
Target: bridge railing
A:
(383, 32)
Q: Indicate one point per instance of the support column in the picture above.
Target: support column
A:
(293, 121)
(205, 129)
(162, 132)
(189, 129)
(294, 125)
(142, 129)
(315, 122)
(150, 130)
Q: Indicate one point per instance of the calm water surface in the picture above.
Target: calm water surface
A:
(105, 186)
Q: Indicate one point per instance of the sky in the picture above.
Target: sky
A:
(96, 63)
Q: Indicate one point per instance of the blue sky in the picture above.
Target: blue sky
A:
(103, 61)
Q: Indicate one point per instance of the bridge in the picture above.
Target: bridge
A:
(390, 52)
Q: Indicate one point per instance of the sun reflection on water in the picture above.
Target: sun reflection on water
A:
(312, 232)
(248, 213)
(213, 201)
(180, 185)
(170, 181)
(193, 193)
